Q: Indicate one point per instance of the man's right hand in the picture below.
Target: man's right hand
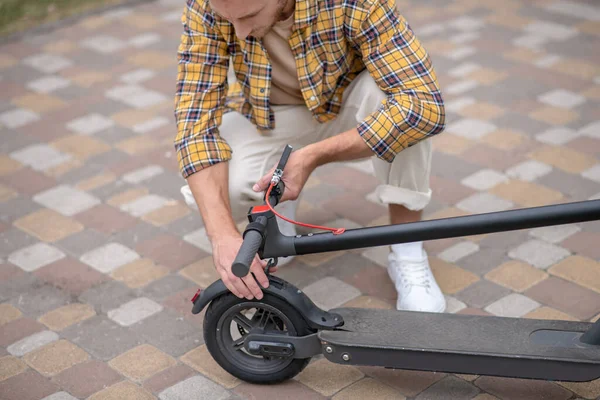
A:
(225, 249)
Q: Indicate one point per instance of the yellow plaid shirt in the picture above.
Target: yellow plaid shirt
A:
(332, 41)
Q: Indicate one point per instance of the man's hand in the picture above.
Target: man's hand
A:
(297, 171)
(225, 250)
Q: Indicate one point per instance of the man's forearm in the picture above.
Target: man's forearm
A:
(346, 146)
(210, 188)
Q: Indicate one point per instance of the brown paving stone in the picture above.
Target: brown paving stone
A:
(80, 146)
(39, 102)
(180, 253)
(482, 110)
(8, 313)
(549, 313)
(122, 390)
(585, 145)
(168, 378)
(448, 191)
(587, 390)
(8, 166)
(65, 316)
(202, 272)
(370, 302)
(580, 270)
(487, 76)
(28, 181)
(151, 59)
(505, 139)
(576, 68)
(449, 212)
(106, 219)
(409, 383)
(373, 281)
(450, 278)
(355, 208)
(139, 273)
(474, 311)
(328, 378)
(27, 386)
(11, 366)
(135, 146)
(6, 193)
(48, 225)
(201, 360)
(70, 275)
(366, 388)
(451, 144)
(96, 181)
(563, 158)
(55, 357)
(141, 362)
(507, 388)
(126, 196)
(61, 169)
(484, 396)
(516, 275)
(491, 157)
(167, 214)
(584, 243)
(526, 194)
(289, 390)
(567, 297)
(85, 379)
(17, 329)
(9, 271)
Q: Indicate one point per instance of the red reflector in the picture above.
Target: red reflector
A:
(259, 209)
(196, 295)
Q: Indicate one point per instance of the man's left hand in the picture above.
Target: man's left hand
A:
(297, 171)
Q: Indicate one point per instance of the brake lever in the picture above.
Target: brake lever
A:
(276, 179)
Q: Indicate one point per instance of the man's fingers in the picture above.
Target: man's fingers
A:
(258, 269)
(241, 287)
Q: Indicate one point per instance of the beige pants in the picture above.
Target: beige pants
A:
(405, 181)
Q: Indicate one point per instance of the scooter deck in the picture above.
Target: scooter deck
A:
(466, 344)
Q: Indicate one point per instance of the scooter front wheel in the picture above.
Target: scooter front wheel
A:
(229, 320)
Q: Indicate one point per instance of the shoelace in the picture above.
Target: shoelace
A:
(414, 274)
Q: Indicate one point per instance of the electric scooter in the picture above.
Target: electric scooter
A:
(271, 340)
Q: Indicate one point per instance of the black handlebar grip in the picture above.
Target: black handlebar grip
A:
(245, 257)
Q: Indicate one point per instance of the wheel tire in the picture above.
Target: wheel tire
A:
(221, 305)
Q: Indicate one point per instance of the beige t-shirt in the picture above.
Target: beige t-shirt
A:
(285, 88)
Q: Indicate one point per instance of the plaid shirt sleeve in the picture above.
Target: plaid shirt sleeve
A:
(413, 109)
(202, 86)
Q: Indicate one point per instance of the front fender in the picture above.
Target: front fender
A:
(314, 316)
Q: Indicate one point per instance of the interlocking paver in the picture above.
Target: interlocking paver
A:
(28, 385)
(109, 257)
(134, 311)
(55, 357)
(11, 366)
(538, 253)
(513, 305)
(31, 343)
(196, 387)
(35, 256)
(66, 200)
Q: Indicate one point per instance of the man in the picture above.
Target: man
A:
(339, 80)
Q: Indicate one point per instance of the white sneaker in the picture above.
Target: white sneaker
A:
(415, 284)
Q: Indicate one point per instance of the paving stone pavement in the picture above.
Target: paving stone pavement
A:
(100, 255)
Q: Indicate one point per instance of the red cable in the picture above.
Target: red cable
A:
(336, 231)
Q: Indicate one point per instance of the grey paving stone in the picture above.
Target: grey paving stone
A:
(16, 208)
(30, 343)
(196, 387)
(18, 285)
(166, 286)
(522, 123)
(538, 253)
(485, 260)
(170, 332)
(482, 293)
(82, 242)
(105, 192)
(513, 305)
(140, 232)
(109, 257)
(115, 134)
(574, 186)
(14, 239)
(18, 117)
(134, 311)
(331, 292)
(40, 156)
(185, 225)
(66, 200)
(13, 141)
(60, 396)
(107, 296)
(38, 300)
(36, 256)
(102, 338)
(451, 167)
(167, 184)
(450, 387)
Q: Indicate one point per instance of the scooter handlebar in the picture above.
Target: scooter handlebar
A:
(245, 257)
